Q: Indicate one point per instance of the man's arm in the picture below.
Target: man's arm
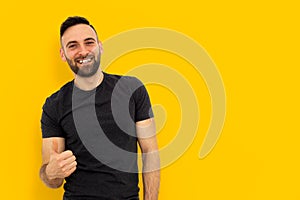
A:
(151, 163)
(57, 163)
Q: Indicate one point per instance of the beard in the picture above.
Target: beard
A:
(86, 70)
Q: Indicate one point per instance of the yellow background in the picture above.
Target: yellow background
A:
(255, 45)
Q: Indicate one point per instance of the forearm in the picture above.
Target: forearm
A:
(151, 185)
(151, 176)
(52, 183)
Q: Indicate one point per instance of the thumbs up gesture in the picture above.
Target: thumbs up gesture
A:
(61, 164)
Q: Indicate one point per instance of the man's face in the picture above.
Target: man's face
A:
(81, 49)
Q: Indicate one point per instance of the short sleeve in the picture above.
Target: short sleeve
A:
(143, 108)
(49, 122)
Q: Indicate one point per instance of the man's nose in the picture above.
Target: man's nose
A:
(83, 51)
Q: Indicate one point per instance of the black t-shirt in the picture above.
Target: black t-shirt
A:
(117, 97)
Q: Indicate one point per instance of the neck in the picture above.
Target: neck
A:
(89, 83)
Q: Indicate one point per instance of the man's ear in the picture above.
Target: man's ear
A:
(62, 55)
(101, 48)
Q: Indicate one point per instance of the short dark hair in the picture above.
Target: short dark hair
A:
(72, 21)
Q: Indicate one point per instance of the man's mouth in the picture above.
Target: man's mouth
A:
(84, 61)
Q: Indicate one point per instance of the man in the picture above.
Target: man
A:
(88, 138)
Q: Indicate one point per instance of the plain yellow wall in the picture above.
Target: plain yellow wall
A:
(255, 46)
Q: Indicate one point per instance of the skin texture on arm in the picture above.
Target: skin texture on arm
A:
(151, 162)
(57, 163)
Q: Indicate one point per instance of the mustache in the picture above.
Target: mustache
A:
(88, 56)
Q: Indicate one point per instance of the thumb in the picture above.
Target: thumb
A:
(54, 148)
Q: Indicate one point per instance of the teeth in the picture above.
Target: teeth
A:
(84, 61)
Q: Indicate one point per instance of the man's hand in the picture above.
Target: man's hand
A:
(151, 163)
(57, 163)
(61, 165)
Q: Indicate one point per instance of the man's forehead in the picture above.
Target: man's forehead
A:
(78, 33)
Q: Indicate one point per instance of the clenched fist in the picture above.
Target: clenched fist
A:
(60, 165)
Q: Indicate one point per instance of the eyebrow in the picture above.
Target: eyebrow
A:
(89, 39)
(74, 42)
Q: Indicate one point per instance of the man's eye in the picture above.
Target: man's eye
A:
(89, 43)
(72, 46)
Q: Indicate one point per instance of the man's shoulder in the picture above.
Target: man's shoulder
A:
(122, 78)
(61, 93)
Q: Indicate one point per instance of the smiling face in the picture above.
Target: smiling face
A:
(81, 49)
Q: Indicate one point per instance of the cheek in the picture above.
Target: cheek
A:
(70, 55)
(96, 51)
